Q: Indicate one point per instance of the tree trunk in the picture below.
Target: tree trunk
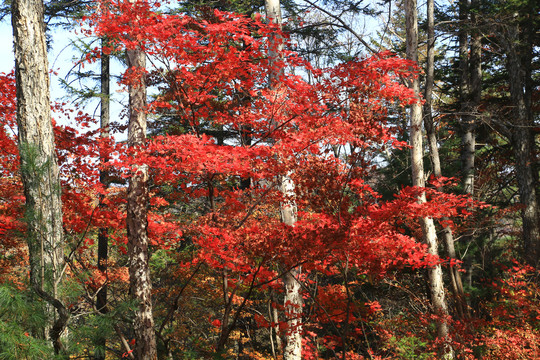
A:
(273, 13)
(523, 147)
(274, 317)
(466, 109)
(475, 66)
(448, 237)
(293, 299)
(39, 167)
(470, 90)
(103, 236)
(137, 217)
(438, 300)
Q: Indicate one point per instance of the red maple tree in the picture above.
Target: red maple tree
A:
(210, 77)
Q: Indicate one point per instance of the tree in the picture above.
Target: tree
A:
(39, 166)
(137, 208)
(470, 90)
(103, 236)
(519, 49)
(428, 227)
(219, 247)
(293, 297)
(467, 107)
(447, 234)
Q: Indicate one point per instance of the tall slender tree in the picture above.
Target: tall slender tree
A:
(293, 298)
(517, 38)
(435, 278)
(103, 236)
(447, 234)
(470, 87)
(39, 167)
(137, 212)
(467, 119)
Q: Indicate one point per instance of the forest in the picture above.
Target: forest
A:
(287, 179)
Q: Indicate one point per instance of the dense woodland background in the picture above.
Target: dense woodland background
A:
(279, 185)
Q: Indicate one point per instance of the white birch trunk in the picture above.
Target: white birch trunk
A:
(447, 235)
(293, 298)
(436, 285)
(293, 301)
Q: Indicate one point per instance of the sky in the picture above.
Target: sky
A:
(61, 60)
(59, 55)
(6, 44)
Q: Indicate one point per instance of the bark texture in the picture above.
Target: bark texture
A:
(293, 298)
(522, 139)
(103, 236)
(293, 301)
(436, 285)
(273, 12)
(137, 218)
(39, 167)
(447, 235)
(468, 139)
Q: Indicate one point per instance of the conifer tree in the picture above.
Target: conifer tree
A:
(39, 167)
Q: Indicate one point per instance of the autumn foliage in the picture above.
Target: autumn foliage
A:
(223, 139)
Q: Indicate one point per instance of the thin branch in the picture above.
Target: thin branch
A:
(343, 25)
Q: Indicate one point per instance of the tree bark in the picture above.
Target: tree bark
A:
(103, 236)
(522, 140)
(447, 235)
(293, 298)
(39, 166)
(273, 13)
(438, 299)
(293, 301)
(137, 217)
(475, 66)
(470, 89)
(274, 316)
(466, 109)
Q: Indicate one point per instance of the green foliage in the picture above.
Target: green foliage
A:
(22, 319)
(409, 348)
(160, 259)
(30, 153)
